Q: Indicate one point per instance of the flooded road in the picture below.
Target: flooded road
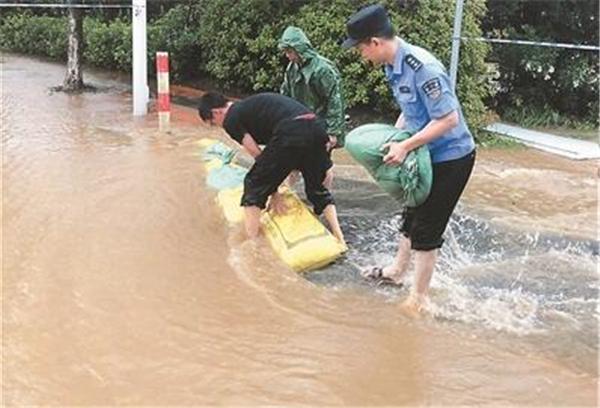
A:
(122, 284)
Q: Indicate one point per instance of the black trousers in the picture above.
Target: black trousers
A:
(297, 144)
(426, 224)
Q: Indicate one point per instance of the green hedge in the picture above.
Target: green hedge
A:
(547, 86)
(39, 35)
(106, 44)
(239, 48)
(234, 42)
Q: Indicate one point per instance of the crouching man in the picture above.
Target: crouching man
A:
(293, 138)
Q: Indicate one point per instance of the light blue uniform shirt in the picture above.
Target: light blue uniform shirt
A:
(423, 91)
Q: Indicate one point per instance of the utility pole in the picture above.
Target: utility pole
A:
(140, 65)
(458, 14)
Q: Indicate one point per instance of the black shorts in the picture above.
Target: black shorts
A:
(297, 144)
(426, 224)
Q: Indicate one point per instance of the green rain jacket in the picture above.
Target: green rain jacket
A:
(315, 82)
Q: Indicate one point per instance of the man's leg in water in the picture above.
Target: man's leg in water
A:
(397, 269)
(270, 169)
(424, 266)
(252, 221)
(430, 220)
(316, 170)
(330, 214)
(399, 266)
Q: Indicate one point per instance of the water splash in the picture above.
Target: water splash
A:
(514, 282)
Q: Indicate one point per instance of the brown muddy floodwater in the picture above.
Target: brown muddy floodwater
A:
(122, 285)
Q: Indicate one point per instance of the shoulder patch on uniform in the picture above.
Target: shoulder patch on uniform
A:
(432, 88)
(413, 62)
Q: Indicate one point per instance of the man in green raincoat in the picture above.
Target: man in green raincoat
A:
(314, 81)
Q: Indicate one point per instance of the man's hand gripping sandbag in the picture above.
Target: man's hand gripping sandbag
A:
(408, 183)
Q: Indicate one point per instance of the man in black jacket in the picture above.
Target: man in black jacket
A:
(293, 138)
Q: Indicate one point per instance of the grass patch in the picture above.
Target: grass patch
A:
(545, 119)
(489, 139)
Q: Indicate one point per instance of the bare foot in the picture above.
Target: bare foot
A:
(414, 306)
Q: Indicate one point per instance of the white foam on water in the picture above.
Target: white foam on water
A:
(513, 311)
(495, 289)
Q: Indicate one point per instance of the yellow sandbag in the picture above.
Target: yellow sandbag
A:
(212, 164)
(297, 237)
(229, 200)
(206, 142)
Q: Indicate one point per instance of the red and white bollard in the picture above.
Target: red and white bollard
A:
(164, 100)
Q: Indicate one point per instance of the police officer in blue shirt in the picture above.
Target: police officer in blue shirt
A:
(430, 108)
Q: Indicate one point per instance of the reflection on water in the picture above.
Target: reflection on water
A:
(123, 285)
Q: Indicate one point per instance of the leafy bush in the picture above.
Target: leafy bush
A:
(234, 42)
(38, 35)
(239, 41)
(539, 78)
(107, 45)
(240, 45)
(176, 33)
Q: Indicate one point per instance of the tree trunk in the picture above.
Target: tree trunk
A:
(74, 77)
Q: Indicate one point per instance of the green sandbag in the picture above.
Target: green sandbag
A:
(408, 183)
(225, 176)
(219, 151)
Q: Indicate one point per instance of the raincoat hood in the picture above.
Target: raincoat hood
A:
(314, 81)
(294, 38)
